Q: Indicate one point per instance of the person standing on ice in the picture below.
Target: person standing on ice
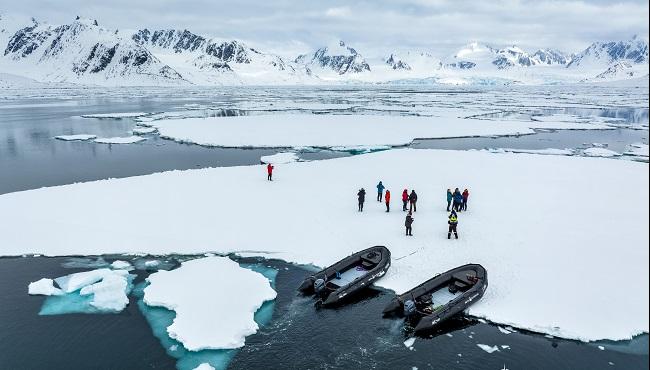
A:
(269, 171)
(362, 198)
(413, 199)
(405, 199)
(380, 191)
(453, 223)
(387, 199)
(450, 197)
(458, 200)
(465, 196)
(408, 223)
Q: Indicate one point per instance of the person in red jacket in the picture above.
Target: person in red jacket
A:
(405, 199)
(387, 199)
(465, 196)
(269, 170)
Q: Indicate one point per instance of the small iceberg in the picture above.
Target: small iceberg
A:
(78, 137)
(120, 140)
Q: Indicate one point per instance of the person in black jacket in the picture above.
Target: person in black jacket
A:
(408, 223)
(362, 198)
(453, 223)
(413, 199)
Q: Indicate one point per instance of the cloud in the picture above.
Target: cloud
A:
(374, 27)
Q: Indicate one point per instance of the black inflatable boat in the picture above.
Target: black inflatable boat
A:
(348, 276)
(437, 299)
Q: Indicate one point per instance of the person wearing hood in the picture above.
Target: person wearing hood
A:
(362, 198)
(453, 223)
(450, 197)
(413, 199)
(405, 199)
(387, 199)
(465, 197)
(409, 224)
(380, 191)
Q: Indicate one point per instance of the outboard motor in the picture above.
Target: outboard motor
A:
(319, 285)
(409, 307)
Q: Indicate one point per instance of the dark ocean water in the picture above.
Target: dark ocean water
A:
(297, 334)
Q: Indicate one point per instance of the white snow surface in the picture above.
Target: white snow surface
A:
(116, 115)
(43, 286)
(120, 140)
(77, 137)
(215, 301)
(280, 158)
(600, 152)
(340, 130)
(517, 241)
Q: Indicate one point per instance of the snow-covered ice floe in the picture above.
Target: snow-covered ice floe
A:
(78, 137)
(144, 130)
(487, 348)
(330, 131)
(600, 152)
(215, 301)
(638, 149)
(537, 263)
(116, 115)
(120, 140)
(548, 151)
(280, 158)
(101, 290)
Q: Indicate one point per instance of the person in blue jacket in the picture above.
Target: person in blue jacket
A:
(458, 200)
(449, 199)
(380, 191)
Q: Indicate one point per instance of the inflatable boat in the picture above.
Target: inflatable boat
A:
(443, 296)
(348, 276)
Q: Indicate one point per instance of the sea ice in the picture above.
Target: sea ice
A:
(638, 149)
(78, 137)
(219, 318)
(328, 131)
(44, 286)
(115, 115)
(120, 140)
(100, 290)
(409, 342)
(600, 152)
(548, 151)
(204, 366)
(121, 265)
(504, 330)
(488, 349)
(198, 215)
(144, 130)
(280, 158)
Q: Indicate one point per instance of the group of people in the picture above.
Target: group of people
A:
(456, 200)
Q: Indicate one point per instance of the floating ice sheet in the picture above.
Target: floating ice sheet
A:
(120, 140)
(77, 137)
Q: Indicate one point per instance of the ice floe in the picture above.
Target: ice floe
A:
(517, 241)
(283, 131)
(115, 115)
(101, 290)
(280, 158)
(640, 150)
(600, 152)
(121, 265)
(217, 318)
(77, 137)
(144, 130)
(44, 286)
(409, 342)
(204, 366)
(548, 151)
(487, 348)
(120, 140)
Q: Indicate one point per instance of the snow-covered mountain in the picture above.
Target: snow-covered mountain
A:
(338, 58)
(84, 52)
(211, 61)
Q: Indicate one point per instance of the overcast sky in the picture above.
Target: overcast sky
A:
(374, 27)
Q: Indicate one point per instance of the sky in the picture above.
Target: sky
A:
(373, 27)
